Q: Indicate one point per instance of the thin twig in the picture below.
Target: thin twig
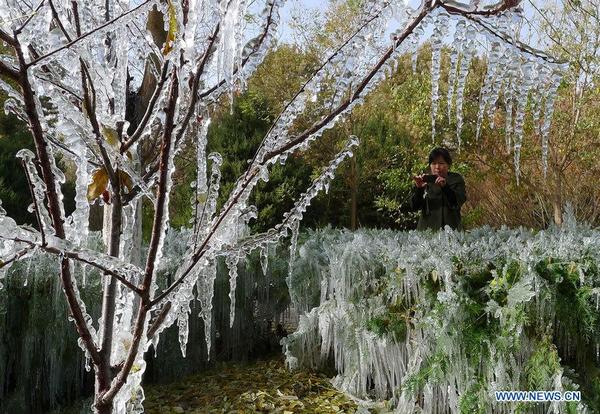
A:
(31, 15)
(157, 91)
(85, 35)
(16, 257)
(58, 21)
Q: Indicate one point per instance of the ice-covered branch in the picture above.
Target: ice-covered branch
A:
(517, 43)
(112, 266)
(29, 17)
(7, 71)
(253, 52)
(162, 200)
(87, 34)
(149, 110)
(471, 9)
(55, 210)
(317, 73)
(294, 216)
(196, 82)
(6, 38)
(59, 23)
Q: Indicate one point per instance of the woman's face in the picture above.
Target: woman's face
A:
(439, 167)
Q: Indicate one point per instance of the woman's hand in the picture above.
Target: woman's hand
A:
(441, 181)
(419, 182)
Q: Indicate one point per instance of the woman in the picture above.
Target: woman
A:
(440, 195)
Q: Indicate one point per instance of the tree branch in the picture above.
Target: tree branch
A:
(161, 200)
(518, 44)
(499, 8)
(154, 168)
(161, 206)
(157, 91)
(9, 72)
(15, 258)
(20, 28)
(6, 38)
(86, 83)
(196, 83)
(245, 60)
(85, 35)
(54, 206)
(315, 73)
(58, 21)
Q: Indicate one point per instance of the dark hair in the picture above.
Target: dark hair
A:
(440, 152)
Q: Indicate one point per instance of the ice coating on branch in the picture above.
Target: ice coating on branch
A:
(39, 191)
(439, 31)
(80, 217)
(207, 212)
(200, 185)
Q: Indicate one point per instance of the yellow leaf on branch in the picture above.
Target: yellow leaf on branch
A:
(111, 136)
(172, 28)
(125, 180)
(98, 184)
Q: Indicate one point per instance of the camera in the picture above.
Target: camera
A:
(430, 178)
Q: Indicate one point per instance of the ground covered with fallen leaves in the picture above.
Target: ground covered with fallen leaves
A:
(259, 387)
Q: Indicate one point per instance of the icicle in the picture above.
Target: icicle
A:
(414, 41)
(184, 329)
(488, 96)
(455, 49)
(264, 259)
(213, 190)
(471, 33)
(547, 118)
(206, 282)
(39, 191)
(200, 185)
(522, 98)
(232, 264)
(80, 216)
(293, 243)
(439, 31)
(230, 51)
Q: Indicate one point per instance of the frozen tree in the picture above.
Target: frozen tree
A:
(78, 67)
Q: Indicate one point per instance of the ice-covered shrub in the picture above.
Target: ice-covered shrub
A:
(439, 321)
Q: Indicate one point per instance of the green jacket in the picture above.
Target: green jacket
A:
(440, 206)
